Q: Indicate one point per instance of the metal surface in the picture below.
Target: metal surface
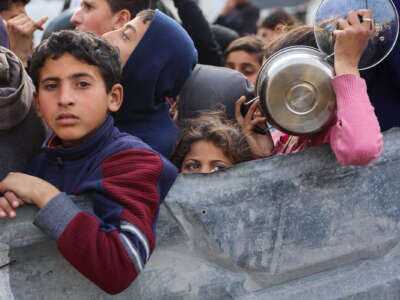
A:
(380, 44)
(295, 90)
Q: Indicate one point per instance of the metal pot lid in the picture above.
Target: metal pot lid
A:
(380, 45)
(295, 90)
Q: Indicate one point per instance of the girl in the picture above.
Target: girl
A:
(208, 143)
(354, 134)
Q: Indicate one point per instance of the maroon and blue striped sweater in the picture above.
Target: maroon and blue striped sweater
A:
(126, 181)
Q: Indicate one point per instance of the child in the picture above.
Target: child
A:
(245, 55)
(275, 24)
(76, 76)
(158, 57)
(208, 143)
(354, 133)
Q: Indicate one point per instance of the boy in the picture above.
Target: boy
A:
(245, 55)
(76, 76)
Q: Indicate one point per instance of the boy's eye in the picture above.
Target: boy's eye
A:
(124, 36)
(50, 86)
(83, 84)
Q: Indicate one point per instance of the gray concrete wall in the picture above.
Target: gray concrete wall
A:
(298, 226)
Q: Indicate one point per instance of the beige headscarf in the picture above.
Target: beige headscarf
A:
(16, 90)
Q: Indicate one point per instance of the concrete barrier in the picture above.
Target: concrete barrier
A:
(298, 226)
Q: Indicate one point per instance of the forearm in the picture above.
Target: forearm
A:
(195, 23)
(355, 138)
(80, 235)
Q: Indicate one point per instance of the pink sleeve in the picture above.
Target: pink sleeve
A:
(356, 137)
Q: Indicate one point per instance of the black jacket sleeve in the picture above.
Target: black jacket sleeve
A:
(197, 26)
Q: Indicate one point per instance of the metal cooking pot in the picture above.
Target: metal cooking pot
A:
(295, 90)
(294, 84)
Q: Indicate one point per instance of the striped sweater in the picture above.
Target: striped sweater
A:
(126, 181)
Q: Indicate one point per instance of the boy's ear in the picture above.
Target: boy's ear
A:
(115, 97)
(37, 105)
(121, 18)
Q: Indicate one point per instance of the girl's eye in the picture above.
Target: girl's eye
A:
(248, 72)
(218, 168)
(192, 167)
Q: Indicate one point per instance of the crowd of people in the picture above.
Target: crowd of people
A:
(116, 108)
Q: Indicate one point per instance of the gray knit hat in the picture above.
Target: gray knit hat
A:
(16, 90)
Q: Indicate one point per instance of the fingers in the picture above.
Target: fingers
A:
(250, 114)
(39, 24)
(6, 209)
(13, 199)
(238, 114)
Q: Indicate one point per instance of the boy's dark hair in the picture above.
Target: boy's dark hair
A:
(6, 4)
(298, 36)
(146, 15)
(277, 17)
(250, 44)
(85, 47)
(134, 6)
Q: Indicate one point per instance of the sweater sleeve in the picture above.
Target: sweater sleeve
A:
(112, 247)
(355, 138)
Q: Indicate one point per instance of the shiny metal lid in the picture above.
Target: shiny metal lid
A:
(384, 17)
(295, 90)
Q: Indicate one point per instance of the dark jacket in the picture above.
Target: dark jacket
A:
(210, 87)
(383, 82)
(126, 181)
(157, 68)
(243, 19)
(4, 42)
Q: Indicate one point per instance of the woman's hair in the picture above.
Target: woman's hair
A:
(215, 127)
(298, 36)
(278, 16)
(6, 4)
(250, 44)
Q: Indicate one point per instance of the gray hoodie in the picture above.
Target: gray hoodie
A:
(21, 130)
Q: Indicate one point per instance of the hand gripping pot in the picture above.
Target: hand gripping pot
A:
(295, 90)
(294, 84)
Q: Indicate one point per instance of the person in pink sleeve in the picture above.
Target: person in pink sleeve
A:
(354, 133)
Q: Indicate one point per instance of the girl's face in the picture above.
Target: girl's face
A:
(94, 16)
(245, 63)
(205, 157)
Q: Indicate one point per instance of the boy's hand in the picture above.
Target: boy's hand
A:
(8, 203)
(351, 41)
(261, 145)
(28, 188)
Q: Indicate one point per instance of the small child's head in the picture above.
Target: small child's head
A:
(297, 36)
(275, 24)
(208, 143)
(76, 76)
(245, 55)
(101, 16)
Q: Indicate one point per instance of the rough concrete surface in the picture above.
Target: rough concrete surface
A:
(296, 226)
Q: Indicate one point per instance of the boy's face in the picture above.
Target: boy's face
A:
(94, 16)
(245, 63)
(127, 37)
(72, 98)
